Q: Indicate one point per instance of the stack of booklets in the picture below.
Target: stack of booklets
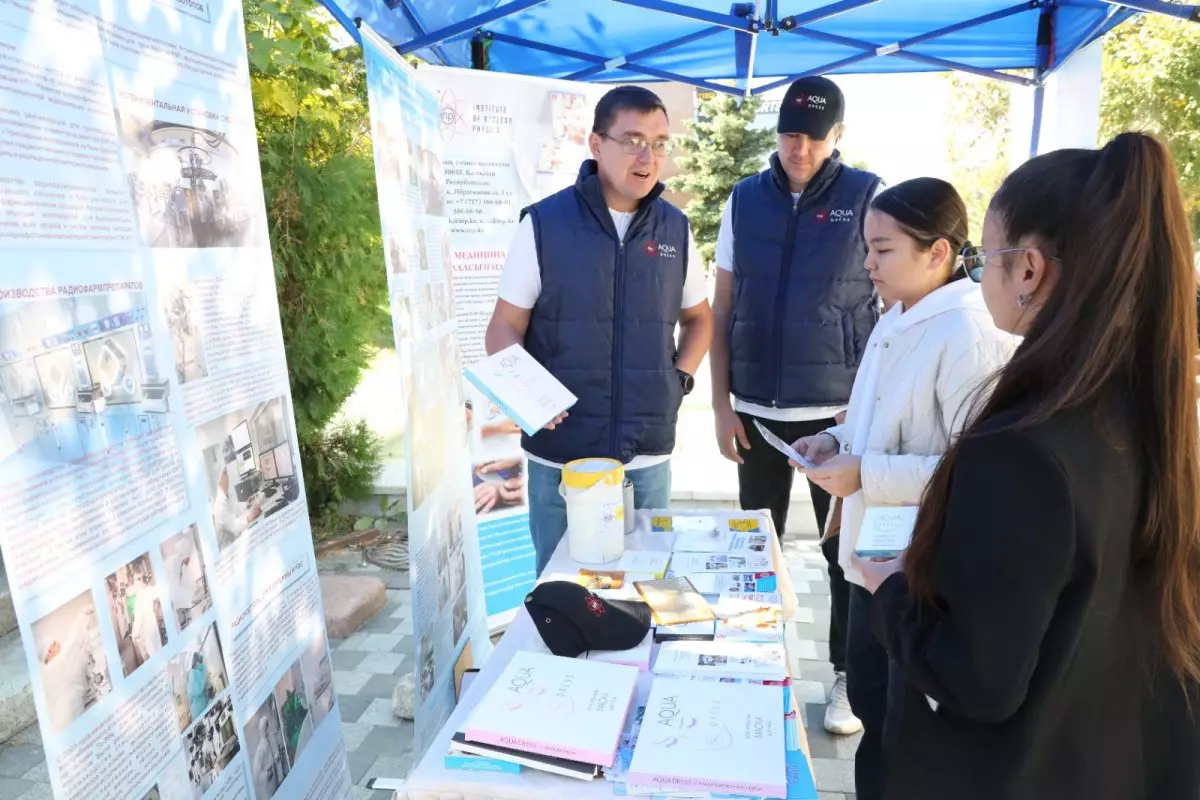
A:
(711, 737)
(800, 784)
(754, 617)
(559, 715)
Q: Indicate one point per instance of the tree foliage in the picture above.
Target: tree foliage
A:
(720, 149)
(313, 122)
(978, 134)
(1152, 83)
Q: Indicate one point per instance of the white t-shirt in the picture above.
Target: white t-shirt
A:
(725, 261)
(521, 284)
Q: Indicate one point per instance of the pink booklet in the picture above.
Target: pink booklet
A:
(563, 707)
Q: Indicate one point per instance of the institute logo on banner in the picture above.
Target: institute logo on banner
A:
(661, 250)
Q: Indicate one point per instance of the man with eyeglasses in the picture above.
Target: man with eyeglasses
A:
(794, 308)
(596, 280)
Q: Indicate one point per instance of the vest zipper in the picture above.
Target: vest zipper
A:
(781, 300)
(618, 355)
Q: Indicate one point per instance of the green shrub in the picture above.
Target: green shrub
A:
(339, 465)
(313, 125)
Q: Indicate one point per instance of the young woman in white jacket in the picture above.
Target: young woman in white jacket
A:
(926, 361)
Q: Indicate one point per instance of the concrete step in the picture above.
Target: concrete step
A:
(16, 692)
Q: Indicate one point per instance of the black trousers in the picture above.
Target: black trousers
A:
(765, 481)
(868, 675)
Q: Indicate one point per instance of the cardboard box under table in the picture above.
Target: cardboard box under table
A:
(431, 780)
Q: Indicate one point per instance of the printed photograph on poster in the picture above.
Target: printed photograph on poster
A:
(71, 662)
(433, 185)
(398, 259)
(402, 322)
(78, 375)
(187, 332)
(317, 667)
(136, 609)
(191, 186)
(447, 253)
(198, 676)
(186, 577)
(211, 744)
(394, 157)
(414, 162)
(428, 423)
(269, 764)
(422, 251)
(250, 465)
(460, 616)
(499, 486)
(428, 667)
(569, 123)
(294, 711)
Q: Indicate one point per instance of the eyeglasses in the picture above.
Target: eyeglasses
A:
(635, 146)
(974, 259)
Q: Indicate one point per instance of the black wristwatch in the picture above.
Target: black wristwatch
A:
(687, 381)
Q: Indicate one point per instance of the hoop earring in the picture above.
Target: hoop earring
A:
(1022, 301)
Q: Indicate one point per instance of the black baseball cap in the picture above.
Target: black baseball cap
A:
(573, 620)
(812, 106)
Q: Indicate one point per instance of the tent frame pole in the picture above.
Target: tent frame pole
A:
(466, 26)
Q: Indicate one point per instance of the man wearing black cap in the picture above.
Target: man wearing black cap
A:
(792, 312)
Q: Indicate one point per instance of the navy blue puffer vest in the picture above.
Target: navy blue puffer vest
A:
(804, 305)
(604, 323)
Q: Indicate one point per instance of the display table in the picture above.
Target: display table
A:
(430, 780)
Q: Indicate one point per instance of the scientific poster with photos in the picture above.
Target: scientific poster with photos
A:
(450, 619)
(509, 141)
(153, 526)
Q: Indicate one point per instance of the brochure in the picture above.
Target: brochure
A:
(653, 562)
(749, 617)
(715, 737)
(783, 447)
(674, 601)
(523, 389)
(562, 707)
(691, 563)
(886, 531)
(717, 583)
(749, 660)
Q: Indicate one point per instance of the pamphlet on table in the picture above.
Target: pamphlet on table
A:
(674, 601)
(749, 617)
(767, 662)
(690, 563)
(716, 737)
(718, 583)
(562, 707)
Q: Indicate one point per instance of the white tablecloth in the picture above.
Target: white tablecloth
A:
(430, 780)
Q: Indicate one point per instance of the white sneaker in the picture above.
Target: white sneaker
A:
(839, 719)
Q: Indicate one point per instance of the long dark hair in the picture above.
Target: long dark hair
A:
(927, 210)
(1121, 316)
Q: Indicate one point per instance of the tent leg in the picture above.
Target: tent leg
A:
(1039, 102)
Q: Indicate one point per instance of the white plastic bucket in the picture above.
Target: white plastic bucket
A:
(594, 494)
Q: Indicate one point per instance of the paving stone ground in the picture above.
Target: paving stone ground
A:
(368, 663)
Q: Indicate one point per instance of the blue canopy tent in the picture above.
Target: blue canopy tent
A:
(704, 41)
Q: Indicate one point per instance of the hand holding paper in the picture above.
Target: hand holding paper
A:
(841, 476)
(794, 457)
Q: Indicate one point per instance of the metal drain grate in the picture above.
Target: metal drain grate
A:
(389, 555)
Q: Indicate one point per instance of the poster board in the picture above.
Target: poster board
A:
(509, 141)
(152, 519)
(449, 623)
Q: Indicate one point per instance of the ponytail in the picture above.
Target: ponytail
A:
(1122, 317)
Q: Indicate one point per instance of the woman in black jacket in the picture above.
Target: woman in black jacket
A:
(1046, 622)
